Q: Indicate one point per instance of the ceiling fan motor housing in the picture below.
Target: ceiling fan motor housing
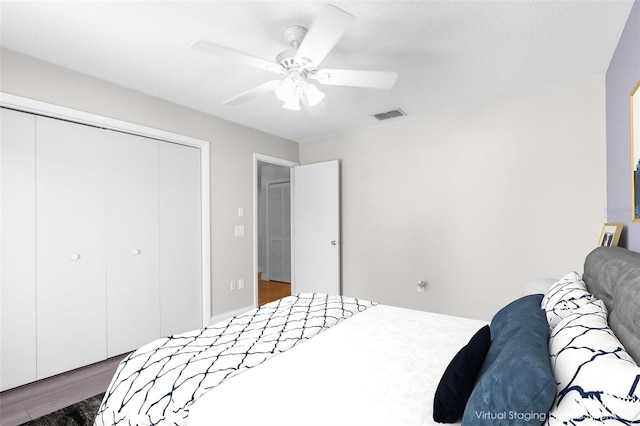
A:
(287, 59)
(293, 35)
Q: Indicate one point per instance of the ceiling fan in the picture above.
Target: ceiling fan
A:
(298, 66)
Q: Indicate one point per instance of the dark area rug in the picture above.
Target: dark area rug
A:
(81, 414)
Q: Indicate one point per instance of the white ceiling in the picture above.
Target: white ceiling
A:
(447, 53)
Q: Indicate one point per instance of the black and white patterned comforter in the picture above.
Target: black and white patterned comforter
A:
(157, 384)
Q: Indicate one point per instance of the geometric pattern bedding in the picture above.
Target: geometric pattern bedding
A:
(158, 383)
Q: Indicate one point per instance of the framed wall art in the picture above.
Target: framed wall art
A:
(610, 235)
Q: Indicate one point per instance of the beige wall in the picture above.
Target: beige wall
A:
(478, 201)
(231, 147)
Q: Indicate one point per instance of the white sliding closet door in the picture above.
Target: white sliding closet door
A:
(180, 239)
(133, 289)
(101, 244)
(70, 223)
(18, 254)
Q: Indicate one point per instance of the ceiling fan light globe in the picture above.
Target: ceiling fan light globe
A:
(287, 90)
(314, 95)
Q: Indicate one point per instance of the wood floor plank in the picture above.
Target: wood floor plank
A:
(28, 402)
(268, 291)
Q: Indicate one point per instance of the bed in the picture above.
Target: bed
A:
(568, 356)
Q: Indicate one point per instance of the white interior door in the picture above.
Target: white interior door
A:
(316, 228)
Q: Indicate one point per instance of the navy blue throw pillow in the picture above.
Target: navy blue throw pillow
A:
(458, 379)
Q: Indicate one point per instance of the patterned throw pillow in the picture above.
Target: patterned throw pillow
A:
(597, 381)
(565, 295)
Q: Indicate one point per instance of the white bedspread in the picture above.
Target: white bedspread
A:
(380, 367)
(158, 383)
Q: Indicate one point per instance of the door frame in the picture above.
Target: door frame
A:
(78, 116)
(278, 162)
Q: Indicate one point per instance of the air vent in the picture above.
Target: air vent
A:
(390, 114)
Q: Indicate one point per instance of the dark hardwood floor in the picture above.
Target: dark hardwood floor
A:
(28, 402)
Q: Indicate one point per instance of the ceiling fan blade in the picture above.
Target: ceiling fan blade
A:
(205, 46)
(357, 78)
(264, 88)
(323, 35)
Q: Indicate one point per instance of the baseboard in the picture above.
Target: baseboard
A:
(230, 314)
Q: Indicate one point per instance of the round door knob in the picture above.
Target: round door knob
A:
(135, 252)
(334, 242)
(74, 256)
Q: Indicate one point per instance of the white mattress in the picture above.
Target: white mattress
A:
(380, 367)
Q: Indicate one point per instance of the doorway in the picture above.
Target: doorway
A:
(272, 245)
(314, 240)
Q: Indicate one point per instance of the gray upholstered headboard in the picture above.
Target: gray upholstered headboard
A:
(613, 275)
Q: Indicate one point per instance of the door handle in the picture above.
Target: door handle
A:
(334, 243)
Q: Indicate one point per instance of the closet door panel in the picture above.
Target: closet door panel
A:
(180, 239)
(280, 232)
(18, 249)
(70, 222)
(133, 289)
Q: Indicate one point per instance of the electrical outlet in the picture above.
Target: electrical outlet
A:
(232, 286)
(239, 231)
(241, 284)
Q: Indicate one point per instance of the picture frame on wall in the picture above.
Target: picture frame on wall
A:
(610, 235)
(634, 108)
